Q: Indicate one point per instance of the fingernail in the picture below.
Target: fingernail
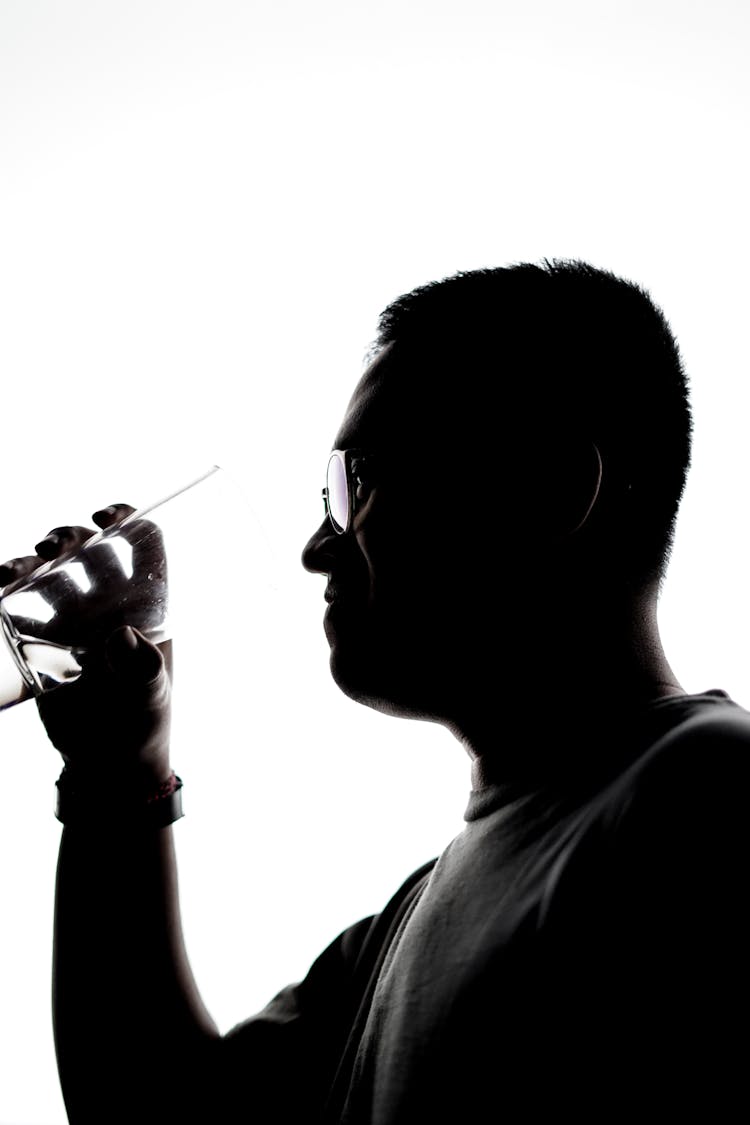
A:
(120, 646)
(142, 668)
(47, 548)
(104, 514)
(129, 638)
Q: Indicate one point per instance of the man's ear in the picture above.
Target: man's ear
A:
(571, 486)
(590, 480)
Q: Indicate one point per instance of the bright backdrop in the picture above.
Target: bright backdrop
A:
(204, 204)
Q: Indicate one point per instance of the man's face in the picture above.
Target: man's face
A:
(462, 560)
(407, 597)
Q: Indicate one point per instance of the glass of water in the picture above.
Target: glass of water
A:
(64, 609)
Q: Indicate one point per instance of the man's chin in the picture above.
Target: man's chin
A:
(350, 673)
(364, 681)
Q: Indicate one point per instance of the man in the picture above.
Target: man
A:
(500, 507)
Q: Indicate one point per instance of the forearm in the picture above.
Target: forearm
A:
(130, 1026)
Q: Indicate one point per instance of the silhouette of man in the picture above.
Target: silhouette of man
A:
(500, 508)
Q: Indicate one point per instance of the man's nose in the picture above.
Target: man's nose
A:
(319, 550)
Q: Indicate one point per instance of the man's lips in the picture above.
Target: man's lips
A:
(337, 595)
(333, 592)
(336, 614)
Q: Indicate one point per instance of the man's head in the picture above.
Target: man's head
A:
(525, 437)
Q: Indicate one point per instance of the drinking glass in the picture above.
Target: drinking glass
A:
(66, 608)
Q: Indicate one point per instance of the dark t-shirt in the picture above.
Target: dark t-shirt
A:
(578, 951)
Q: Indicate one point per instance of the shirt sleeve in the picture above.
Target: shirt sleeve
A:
(280, 1065)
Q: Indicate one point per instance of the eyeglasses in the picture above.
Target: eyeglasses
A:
(344, 466)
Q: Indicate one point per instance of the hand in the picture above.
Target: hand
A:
(83, 609)
(115, 716)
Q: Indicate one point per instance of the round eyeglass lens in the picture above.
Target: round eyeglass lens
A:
(338, 495)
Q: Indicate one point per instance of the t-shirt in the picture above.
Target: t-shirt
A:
(577, 952)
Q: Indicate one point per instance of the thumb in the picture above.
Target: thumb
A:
(132, 657)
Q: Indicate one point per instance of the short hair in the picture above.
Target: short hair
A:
(579, 347)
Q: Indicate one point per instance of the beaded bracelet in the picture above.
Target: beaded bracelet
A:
(82, 804)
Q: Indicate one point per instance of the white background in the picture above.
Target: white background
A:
(204, 204)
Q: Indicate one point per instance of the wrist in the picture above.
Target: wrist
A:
(129, 774)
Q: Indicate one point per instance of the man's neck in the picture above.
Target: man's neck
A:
(577, 706)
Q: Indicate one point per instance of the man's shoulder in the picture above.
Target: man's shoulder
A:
(639, 943)
(712, 714)
(675, 817)
(695, 745)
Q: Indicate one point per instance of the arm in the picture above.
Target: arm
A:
(134, 1040)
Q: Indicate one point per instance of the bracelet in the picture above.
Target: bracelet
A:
(81, 803)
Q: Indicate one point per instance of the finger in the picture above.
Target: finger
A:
(60, 592)
(110, 519)
(78, 544)
(149, 560)
(54, 587)
(114, 513)
(63, 541)
(14, 570)
(143, 536)
(31, 627)
(149, 556)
